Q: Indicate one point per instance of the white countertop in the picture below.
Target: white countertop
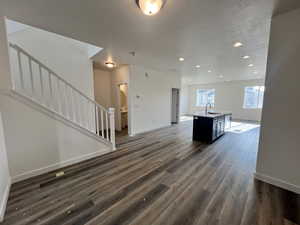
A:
(218, 113)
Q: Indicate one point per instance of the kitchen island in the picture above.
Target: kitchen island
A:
(208, 127)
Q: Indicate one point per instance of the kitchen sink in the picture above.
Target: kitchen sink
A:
(214, 113)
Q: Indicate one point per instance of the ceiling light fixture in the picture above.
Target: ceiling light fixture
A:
(250, 65)
(246, 57)
(209, 71)
(181, 59)
(237, 44)
(150, 7)
(110, 65)
(221, 76)
(198, 66)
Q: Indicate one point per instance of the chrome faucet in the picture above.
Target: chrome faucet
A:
(206, 107)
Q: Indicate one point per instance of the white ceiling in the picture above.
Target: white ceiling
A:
(201, 31)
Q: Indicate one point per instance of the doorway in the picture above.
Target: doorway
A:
(124, 107)
(175, 106)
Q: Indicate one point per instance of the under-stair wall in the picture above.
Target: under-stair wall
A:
(38, 142)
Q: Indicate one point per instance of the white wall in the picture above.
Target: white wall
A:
(150, 98)
(66, 57)
(5, 84)
(229, 97)
(13, 26)
(279, 152)
(152, 110)
(5, 79)
(102, 87)
(38, 143)
(4, 173)
(184, 100)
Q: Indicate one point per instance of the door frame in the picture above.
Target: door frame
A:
(178, 106)
(119, 105)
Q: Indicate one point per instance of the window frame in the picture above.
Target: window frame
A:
(260, 97)
(206, 90)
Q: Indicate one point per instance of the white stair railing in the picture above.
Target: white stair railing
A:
(34, 80)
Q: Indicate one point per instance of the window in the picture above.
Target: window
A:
(205, 96)
(254, 97)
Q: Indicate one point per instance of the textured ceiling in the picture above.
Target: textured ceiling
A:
(201, 31)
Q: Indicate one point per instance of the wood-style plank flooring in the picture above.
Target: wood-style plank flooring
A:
(158, 178)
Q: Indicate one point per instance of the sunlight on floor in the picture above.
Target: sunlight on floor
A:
(185, 118)
(236, 127)
(241, 127)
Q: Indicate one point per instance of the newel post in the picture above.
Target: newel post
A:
(112, 127)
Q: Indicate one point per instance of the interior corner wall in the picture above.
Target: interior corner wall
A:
(5, 179)
(5, 84)
(150, 94)
(5, 79)
(229, 96)
(279, 152)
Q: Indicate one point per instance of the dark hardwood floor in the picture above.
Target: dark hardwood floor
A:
(158, 178)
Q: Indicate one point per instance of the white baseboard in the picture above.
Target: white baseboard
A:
(56, 166)
(277, 182)
(4, 201)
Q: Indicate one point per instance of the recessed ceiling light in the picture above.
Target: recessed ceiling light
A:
(198, 66)
(246, 57)
(110, 65)
(250, 65)
(209, 71)
(237, 44)
(150, 7)
(181, 59)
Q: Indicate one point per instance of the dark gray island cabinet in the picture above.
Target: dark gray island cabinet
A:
(209, 127)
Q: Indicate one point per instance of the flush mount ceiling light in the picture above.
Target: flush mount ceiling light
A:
(110, 65)
(250, 65)
(209, 71)
(237, 44)
(246, 57)
(150, 7)
(181, 59)
(221, 76)
(198, 66)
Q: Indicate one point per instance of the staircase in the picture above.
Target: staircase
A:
(37, 83)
